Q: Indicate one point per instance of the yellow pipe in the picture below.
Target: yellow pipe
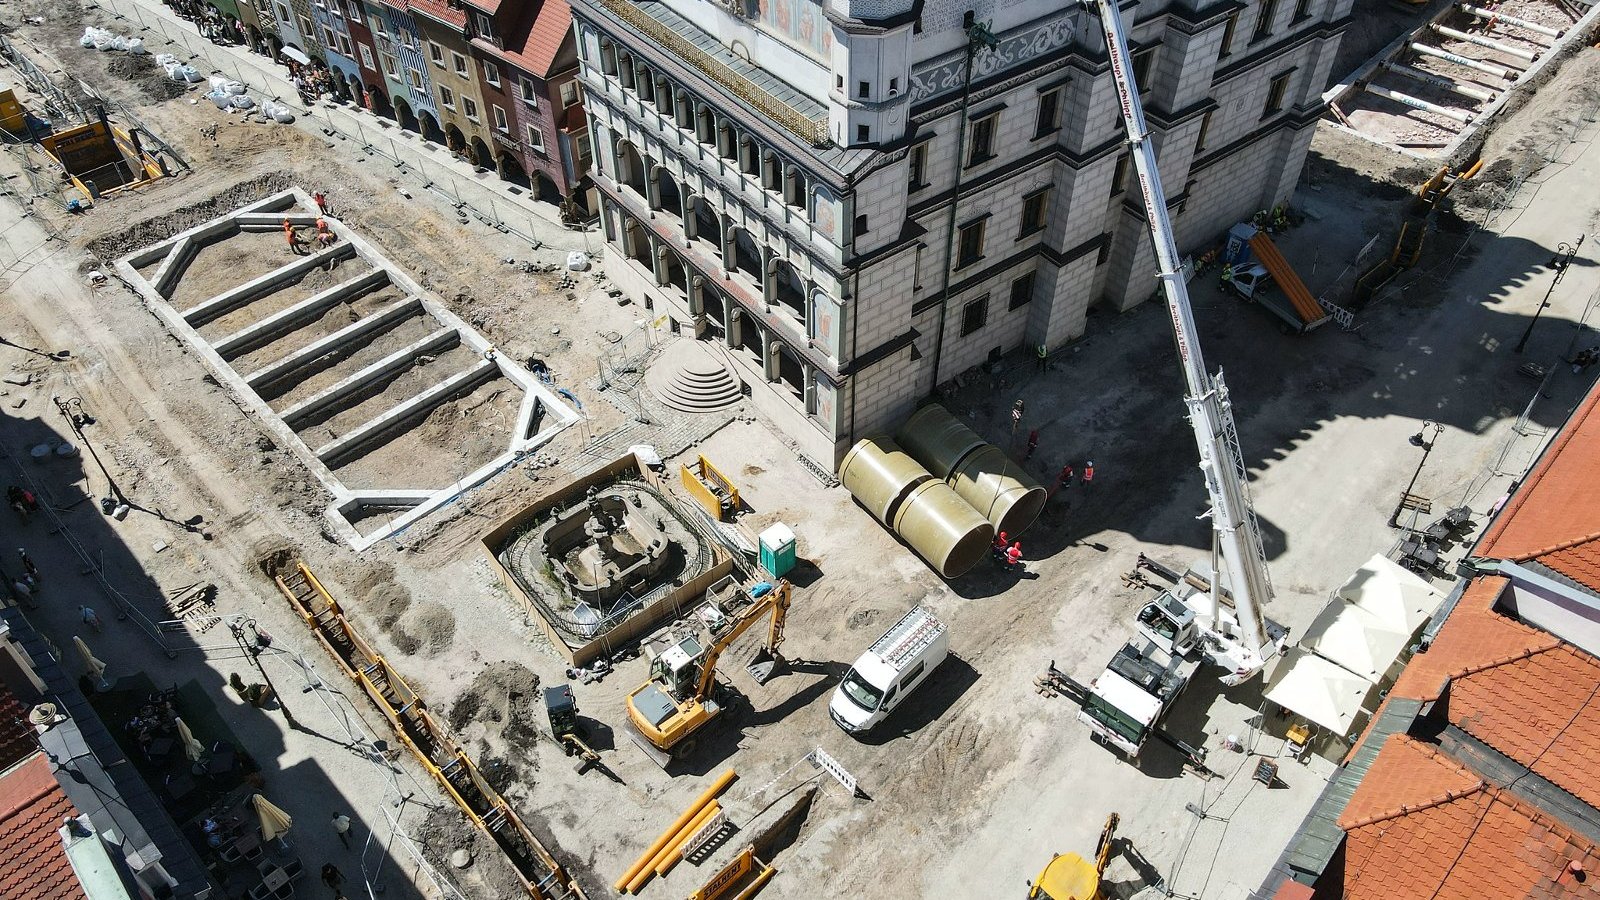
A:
(711, 792)
(674, 848)
(756, 886)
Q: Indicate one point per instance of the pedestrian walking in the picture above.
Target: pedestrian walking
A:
(23, 593)
(1042, 353)
(1033, 443)
(341, 827)
(333, 878)
(1088, 473)
(89, 617)
(322, 202)
(27, 563)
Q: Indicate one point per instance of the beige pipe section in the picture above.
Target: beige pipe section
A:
(937, 439)
(1496, 46)
(943, 528)
(674, 849)
(717, 787)
(1493, 16)
(880, 475)
(999, 489)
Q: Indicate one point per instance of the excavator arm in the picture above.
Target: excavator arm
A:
(776, 602)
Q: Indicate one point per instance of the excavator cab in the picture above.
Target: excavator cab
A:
(678, 668)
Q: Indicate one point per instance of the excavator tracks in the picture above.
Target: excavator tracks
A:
(542, 877)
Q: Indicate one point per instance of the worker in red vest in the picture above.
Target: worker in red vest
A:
(999, 547)
(1014, 554)
(1088, 472)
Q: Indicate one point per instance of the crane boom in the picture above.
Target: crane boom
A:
(1237, 535)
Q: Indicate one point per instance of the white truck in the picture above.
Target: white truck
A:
(1124, 706)
(890, 670)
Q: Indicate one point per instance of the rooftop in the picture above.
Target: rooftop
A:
(1554, 518)
(1421, 825)
(533, 39)
(439, 11)
(33, 860)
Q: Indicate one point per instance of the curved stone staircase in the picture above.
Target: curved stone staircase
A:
(690, 378)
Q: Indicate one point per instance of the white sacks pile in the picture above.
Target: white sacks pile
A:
(277, 112)
(101, 39)
(177, 71)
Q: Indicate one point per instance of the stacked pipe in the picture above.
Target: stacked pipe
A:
(668, 848)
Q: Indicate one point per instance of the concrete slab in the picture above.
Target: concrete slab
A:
(335, 453)
(257, 287)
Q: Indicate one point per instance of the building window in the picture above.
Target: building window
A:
(491, 73)
(436, 53)
(530, 94)
(1119, 175)
(1275, 94)
(585, 152)
(460, 63)
(1049, 117)
(283, 14)
(1268, 12)
(863, 90)
(469, 108)
(1302, 10)
(1144, 64)
(536, 139)
(366, 56)
(417, 83)
(345, 48)
(305, 27)
(970, 244)
(1104, 254)
(980, 142)
(446, 99)
(863, 134)
(974, 315)
(1034, 207)
(1227, 35)
(354, 9)
(919, 167)
(1205, 127)
(838, 83)
(485, 25)
(569, 93)
(1021, 291)
(861, 225)
(500, 122)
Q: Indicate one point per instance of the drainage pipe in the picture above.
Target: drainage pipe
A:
(1465, 62)
(1496, 46)
(1493, 16)
(1440, 82)
(1411, 101)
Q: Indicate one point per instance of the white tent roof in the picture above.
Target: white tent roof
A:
(1400, 599)
(1355, 639)
(1317, 690)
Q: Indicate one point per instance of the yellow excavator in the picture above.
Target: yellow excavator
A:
(1070, 876)
(665, 712)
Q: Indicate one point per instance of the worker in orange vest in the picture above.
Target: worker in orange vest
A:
(1088, 472)
(325, 236)
(289, 233)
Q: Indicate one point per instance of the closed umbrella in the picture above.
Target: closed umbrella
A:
(193, 748)
(274, 821)
(96, 667)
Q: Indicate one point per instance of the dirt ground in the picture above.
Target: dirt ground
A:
(979, 780)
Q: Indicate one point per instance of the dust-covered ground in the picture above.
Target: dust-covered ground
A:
(975, 783)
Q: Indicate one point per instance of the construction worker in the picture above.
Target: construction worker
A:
(1033, 443)
(1014, 554)
(1280, 220)
(322, 201)
(325, 236)
(293, 238)
(1227, 276)
(1088, 472)
(999, 547)
(1043, 354)
(1064, 479)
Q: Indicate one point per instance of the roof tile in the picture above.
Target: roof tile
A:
(33, 862)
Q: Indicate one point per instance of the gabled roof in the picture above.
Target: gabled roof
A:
(1474, 636)
(439, 11)
(1422, 826)
(33, 861)
(1554, 517)
(1542, 710)
(533, 40)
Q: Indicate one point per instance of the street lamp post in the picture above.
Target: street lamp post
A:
(1420, 439)
(1560, 261)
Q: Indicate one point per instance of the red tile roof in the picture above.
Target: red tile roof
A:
(439, 10)
(33, 862)
(1542, 710)
(534, 38)
(1420, 826)
(16, 735)
(1555, 515)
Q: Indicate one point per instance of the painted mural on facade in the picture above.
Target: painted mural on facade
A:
(798, 22)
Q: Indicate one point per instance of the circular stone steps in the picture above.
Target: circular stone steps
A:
(689, 378)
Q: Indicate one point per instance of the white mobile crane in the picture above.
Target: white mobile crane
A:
(1215, 613)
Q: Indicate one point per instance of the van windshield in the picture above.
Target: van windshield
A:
(860, 693)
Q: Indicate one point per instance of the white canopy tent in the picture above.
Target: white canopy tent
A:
(1395, 596)
(1355, 639)
(1317, 690)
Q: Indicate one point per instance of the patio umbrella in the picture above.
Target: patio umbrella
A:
(193, 748)
(96, 667)
(274, 821)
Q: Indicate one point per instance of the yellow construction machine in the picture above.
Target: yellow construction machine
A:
(1070, 876)
(665, 712)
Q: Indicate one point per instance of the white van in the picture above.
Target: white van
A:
(890, 669)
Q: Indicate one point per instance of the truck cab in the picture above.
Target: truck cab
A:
(1125, 704)
(894, 666)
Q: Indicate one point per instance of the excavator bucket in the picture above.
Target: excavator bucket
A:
(764, 665)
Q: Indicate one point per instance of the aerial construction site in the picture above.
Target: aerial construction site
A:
(829, 450)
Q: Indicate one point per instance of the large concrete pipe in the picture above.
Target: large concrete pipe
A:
(999, 489)
(880, 475)
(937, 439)
(943, 528)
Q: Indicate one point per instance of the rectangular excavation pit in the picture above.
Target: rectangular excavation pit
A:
(337, 352)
